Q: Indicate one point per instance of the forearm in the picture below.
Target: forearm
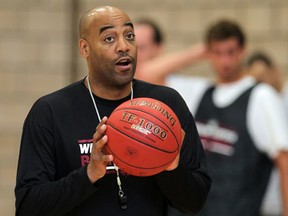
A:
(284, 189)
(187, 186)
(54, 198)
(186, 190)
(176, 61)
(282, 164)
(157, 69)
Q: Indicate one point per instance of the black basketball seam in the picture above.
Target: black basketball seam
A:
(144, 168)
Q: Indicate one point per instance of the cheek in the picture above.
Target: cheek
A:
(100, 61)
(100, 55)
(215, 60)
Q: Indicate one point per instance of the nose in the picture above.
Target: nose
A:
(122, 45)
(224, 58)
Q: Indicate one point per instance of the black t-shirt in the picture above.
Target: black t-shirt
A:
(55, 148)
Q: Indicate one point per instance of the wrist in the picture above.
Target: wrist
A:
(92, 175)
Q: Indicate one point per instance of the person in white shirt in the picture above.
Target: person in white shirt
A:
(261, 66)
(242, 125)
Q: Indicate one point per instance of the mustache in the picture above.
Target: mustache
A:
(124, 54)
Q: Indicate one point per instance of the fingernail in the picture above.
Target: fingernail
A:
(103, 127)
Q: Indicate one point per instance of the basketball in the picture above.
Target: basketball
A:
(144, 136)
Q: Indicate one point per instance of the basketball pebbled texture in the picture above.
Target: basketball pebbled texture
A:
(144, 136)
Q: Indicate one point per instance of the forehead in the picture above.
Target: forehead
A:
(112, 18)
(225, 44)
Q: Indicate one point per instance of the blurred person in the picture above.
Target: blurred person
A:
(262, 67)
(63, 168)
(153, 64)
(242, 125)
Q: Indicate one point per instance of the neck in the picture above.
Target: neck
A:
(106, 92)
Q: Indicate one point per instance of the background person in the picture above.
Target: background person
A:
(156, 67)
(260, 65)
(153, 64)
(242, 126)
(58, 175)
(263, 68)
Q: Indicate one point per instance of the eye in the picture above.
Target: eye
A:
(109, 39)
(130, 36)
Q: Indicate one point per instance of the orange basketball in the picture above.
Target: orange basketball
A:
(144, 136)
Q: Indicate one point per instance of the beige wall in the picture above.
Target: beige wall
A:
(36, 50)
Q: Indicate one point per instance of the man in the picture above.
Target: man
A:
(63, 168)
(242, 126)
(154, 65)
(149, 39)
(263, 68)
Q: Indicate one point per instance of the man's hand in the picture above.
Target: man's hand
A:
(98, 159)
(175, 163)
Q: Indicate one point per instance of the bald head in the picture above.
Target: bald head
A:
(94, 15)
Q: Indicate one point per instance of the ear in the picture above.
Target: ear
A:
(84, 48)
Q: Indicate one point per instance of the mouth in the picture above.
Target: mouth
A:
(124, 62)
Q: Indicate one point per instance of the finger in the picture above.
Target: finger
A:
(101, 158)
(99, 133)
(103, 121)
(107, 158)
(97, 146)
(174, 164)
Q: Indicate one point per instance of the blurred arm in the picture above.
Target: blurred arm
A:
(156, 70)
(282, 163)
